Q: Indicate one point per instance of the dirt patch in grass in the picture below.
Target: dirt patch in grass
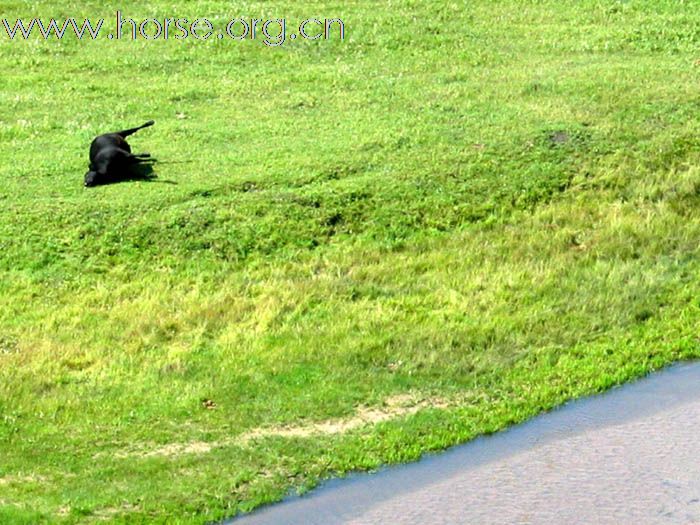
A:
(10, 479)
(179, 449)
(392, 408)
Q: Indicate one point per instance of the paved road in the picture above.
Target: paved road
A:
(630, 456)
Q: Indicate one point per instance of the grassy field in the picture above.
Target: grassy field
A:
(464, 214)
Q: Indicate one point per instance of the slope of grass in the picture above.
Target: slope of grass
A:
(489, 208)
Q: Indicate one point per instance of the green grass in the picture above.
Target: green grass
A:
(492, 204)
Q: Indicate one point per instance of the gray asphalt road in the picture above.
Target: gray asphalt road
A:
(630, 456)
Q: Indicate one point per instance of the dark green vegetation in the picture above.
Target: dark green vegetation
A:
(488, 207)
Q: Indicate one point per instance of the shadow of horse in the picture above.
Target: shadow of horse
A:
(141, 172)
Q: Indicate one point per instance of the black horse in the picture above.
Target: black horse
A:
(111, 159)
